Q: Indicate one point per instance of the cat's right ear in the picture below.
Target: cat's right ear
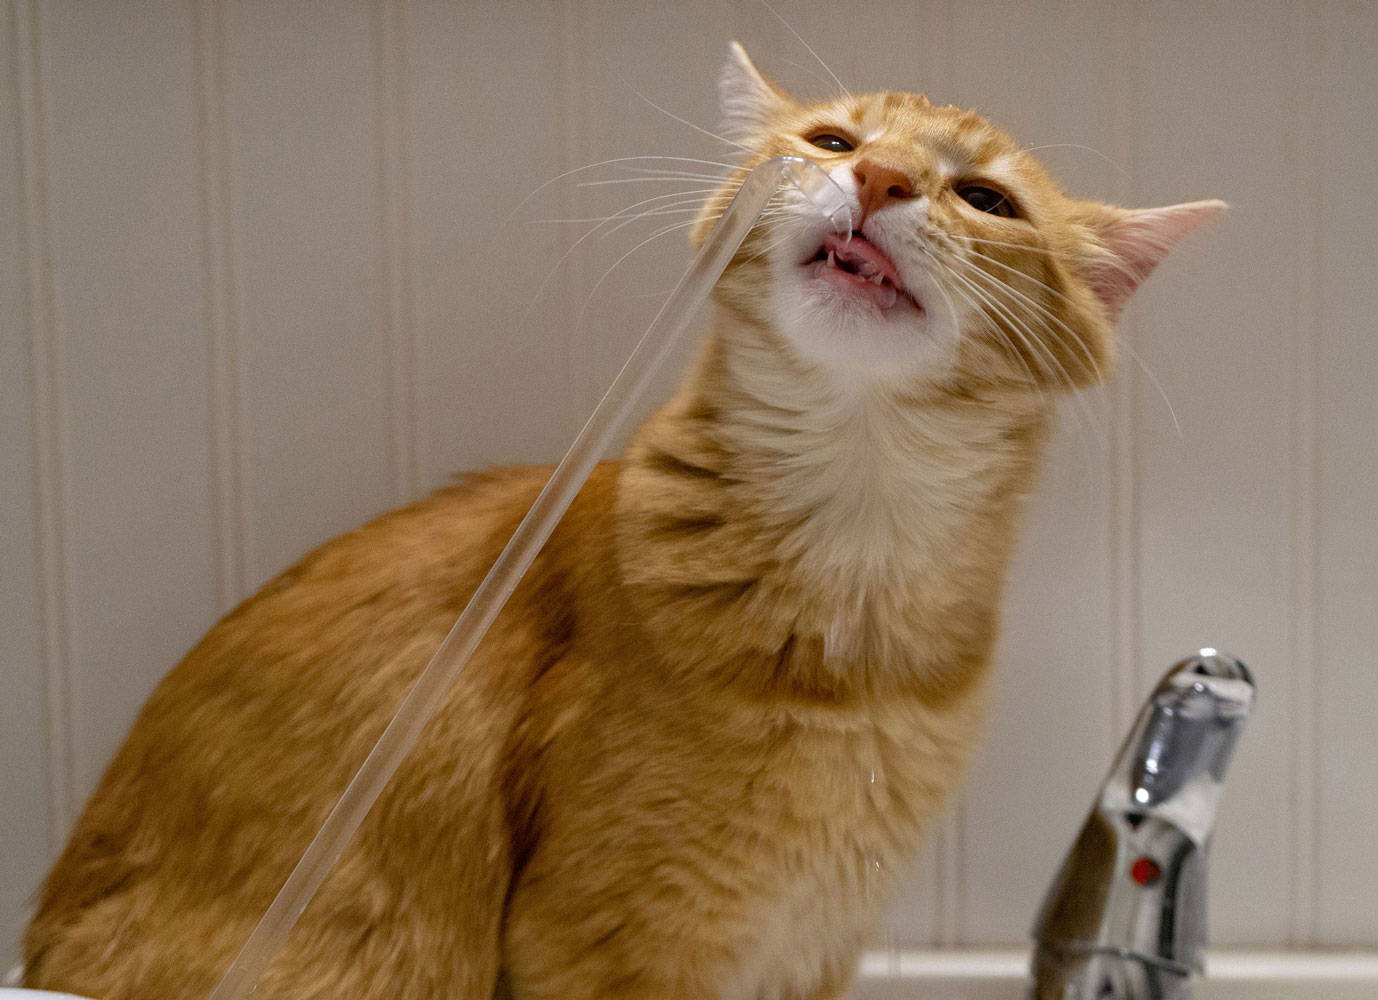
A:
(749, 99)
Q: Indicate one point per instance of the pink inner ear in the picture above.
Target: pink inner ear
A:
(1139, 239)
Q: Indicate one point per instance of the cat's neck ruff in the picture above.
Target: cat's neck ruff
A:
(876, 480)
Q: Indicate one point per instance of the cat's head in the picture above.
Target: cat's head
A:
(966, 263)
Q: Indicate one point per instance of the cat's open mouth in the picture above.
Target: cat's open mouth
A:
(859, 267)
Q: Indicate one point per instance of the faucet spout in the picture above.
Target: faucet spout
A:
(1125, 917)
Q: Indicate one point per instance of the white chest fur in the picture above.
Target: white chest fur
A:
(877, 489)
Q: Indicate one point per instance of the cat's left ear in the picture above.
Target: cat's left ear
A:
(1133, 241)
(749, 99)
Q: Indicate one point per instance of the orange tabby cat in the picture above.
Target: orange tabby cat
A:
(739, 679)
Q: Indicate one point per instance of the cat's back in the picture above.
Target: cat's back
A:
(242, 748)
(326, 648)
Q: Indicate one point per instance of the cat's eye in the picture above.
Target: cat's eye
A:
(832, 143)
(988, 200)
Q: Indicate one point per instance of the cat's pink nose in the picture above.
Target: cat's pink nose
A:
(877, 183)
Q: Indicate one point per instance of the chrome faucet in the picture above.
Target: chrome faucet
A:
(1125, 919)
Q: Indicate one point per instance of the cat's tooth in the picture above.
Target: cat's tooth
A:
(832, 259)
(877, 278)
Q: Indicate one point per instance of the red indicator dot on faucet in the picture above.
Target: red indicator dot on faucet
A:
(1145, 871)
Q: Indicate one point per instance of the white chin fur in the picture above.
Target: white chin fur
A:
(841, 332)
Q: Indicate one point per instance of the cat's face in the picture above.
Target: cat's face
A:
(965, 263)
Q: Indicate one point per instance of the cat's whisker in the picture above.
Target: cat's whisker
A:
(623, 214)
(1004, 339)
(674, 208)
(593, 292)
(790, 28)
(616, 218)
(1032, 344)
(1043, 354)
(1153, 381)
(1109, 260)
(1031, 339)
(667, 178)
(603, 163)
(540, 288)
(1123, 344)
(1091, 367)
(684, 121)
(724, 164)
(993, 287)
(940, 268)
(1049, 251)
(769, 246)
(725, 169)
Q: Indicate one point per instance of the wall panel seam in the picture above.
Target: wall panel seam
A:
(1305, 447)
(221, 326)
(394, 204)
(1123, 515)
(52, 543)
(573, 94)
(241, 440)
(951, 859)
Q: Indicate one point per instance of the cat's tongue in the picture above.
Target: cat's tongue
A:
(858, 266)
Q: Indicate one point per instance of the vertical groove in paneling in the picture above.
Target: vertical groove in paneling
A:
(394, 150)
(1123, 589)
(949, 856)
(573, 116)
(217, 234)
(1309, 183)
(949, 861)
(46, 348)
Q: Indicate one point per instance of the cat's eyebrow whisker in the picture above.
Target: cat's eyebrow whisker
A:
(813, 73)
(790, 28)
(1120, 168)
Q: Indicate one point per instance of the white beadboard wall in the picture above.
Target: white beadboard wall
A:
(261, 278)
